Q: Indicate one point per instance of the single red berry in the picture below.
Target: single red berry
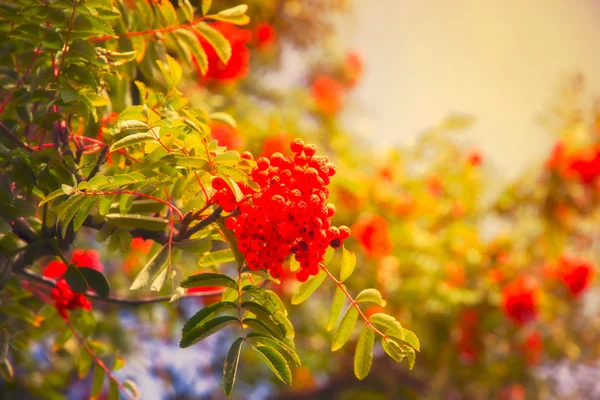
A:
(297, 145)
(345, 232)
(231, 223)
(310, 150)
(262, 163)
(247, 155)
(333, 233)
(218, 183)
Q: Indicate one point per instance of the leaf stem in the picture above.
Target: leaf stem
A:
(353, 303)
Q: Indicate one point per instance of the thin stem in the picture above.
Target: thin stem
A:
(353, 302)
(98, 360)
(36, 54)
(148, 32)
(69, 30)
(147, 196)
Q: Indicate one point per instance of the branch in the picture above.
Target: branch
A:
(149, 32)
(23, 230)
(213, 217)
(120, 300)
(13, 138)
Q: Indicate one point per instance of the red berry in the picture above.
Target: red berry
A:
(310, 150)
(333, 233)
(218, 183)
(297, 145)
(344, 232)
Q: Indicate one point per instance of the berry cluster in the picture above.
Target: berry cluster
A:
(288, 215)
(65, 299)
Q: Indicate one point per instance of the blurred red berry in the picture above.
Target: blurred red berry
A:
(328, 95)
(87, 258)
(520, 300)
(55, 269)
(373, 234)
(266, 35)
(237, 65)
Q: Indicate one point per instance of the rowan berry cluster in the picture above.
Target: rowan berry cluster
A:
(65, 299)
(288, 215)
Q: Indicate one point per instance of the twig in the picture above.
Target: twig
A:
(148, 32)
(98, 360)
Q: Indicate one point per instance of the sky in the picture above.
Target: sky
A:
(500, 62)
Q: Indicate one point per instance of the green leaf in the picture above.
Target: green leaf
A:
(236, 11)
(132, 387)
(84, 211)
(97, 382)
(125, 203)
(6, 370)
(392, 349)
(263, 314)
(206, 329)
(216, 40)
(348, 264)
(230, 366)
(216, 258)
(410, 354)
(307, 288)
(223, 117)
(134, 221)
(84, 363)
(237, 192)
(206, 312)
(61, 339)
(236, 15)
(67, 213)
(113, 391)
(197, 51)
(206, 4)
(363, 358)
(257, 309)
(263, 327)
(345, 329)
(150, 269)
(371, 296)
(131, 140)
(160, 279)
(76, 280)
(133, 125)
(198, 245)
(412, 339)
(4, 339)
(279, 345)
(104, 205)
(96, 280)
(262, 296)
(232, 240)
(67, 189)
(276, 362)
(52, 196)
(336, 308)
(209, 279)
(387, 321)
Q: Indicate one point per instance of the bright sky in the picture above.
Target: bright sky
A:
(499, 61)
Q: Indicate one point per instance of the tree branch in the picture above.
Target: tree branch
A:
(120, 300)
